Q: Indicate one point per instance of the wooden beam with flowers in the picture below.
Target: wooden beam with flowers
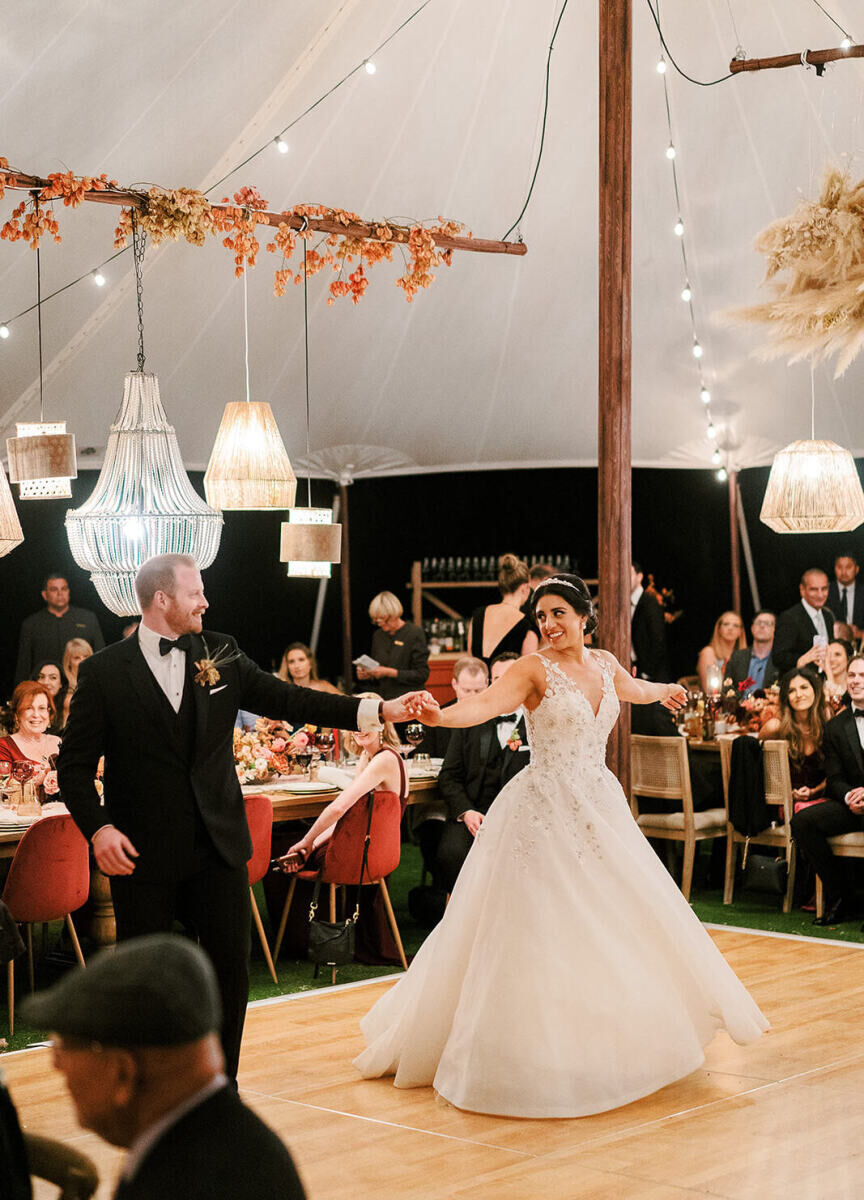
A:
(174, 213)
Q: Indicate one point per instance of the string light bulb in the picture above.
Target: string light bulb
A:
(679, 228)
(697, 350)
(705, 396)
(98, 278)
(722, 475)
(4, 331)
(711, 432)
(281, 144)
(670, 151)
(846, 43)
(715, 457)
(370, 67)
(686, 293)
(661, 65)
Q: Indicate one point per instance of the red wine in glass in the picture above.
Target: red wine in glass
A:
(23, 771)
(5, 772)
(415, 733)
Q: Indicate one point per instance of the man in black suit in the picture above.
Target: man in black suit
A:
(172, 835)
(843, 812)
(136, 1037)
(800, 624)
(648, 631)
(478, 763)
(845, 598)
(755, 661)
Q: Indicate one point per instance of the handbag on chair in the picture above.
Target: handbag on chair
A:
(331, 943)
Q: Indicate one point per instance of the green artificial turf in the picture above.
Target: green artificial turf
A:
(749, 910)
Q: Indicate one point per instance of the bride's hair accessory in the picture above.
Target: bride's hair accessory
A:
(583, 604)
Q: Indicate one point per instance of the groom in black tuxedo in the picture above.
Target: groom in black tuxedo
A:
(172, 832)
(844, 811)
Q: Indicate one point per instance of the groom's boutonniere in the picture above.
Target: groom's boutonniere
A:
(514, 741)
(208, 666)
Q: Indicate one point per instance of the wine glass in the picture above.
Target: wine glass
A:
(304, 758)
(414, 734)
(5, 776)
(325, 743)
(23, 771)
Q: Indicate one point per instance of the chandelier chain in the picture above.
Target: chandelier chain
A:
(139, 245)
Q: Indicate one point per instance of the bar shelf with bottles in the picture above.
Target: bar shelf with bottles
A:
(435, 574)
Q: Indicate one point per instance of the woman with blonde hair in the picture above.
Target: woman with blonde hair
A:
(503, 628)
(398, 647)
(728, 636)
(74, 653)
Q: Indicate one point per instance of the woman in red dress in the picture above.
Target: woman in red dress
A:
(32, 713)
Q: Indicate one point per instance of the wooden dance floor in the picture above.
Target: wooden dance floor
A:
(780, 1118)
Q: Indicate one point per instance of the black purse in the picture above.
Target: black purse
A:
(764, 873)
(331, 943)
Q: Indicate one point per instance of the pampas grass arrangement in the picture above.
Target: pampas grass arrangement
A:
(818, 307)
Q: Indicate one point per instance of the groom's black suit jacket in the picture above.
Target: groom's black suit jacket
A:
(844, 759)
(158, 784)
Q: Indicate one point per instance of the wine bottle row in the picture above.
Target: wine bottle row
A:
(444, 636)
(473, 568)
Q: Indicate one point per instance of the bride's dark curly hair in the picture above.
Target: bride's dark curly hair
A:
(574, 590)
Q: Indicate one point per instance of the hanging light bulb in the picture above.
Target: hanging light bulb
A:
(42, 456)
(678, 228)
(686, 293)
(370, 67)
(711, 432)
(715, 457)
(705, 396)
(661, 65)
(697, 350)
(4, 331)
(143, 503)
(11, 534)
(846, 43)
(98, 278)
(281, 144)
(722, 475)
(249, 466)
(670, 151)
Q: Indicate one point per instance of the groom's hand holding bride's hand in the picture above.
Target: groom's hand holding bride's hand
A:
(676, 697)
(413, 706)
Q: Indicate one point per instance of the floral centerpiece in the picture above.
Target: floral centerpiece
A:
(756, 710)
(268, 749)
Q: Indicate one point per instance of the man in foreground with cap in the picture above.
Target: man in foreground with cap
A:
(136, 1037)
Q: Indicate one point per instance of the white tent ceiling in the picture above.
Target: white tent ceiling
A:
(496, 363)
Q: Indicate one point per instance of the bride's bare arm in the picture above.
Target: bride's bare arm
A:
(523, 683)
(641, 691)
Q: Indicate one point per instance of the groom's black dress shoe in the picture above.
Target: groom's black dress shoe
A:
(833, 914)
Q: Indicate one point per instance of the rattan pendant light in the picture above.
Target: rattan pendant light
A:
(249, 467)
(42, 456)
(813, 486)
(310, 542)
(11, 534)
(143, 503)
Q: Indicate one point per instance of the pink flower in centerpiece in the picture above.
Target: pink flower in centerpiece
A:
(50, 784)
(301, 740)
(278, 745)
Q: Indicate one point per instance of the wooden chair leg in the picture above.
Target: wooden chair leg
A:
(259, 925)
(820, 899)
(687, 869)
(791, 863)
(10, 981)
(731, 863)
(333, 970)
(391, 917)
(30, 958)
(74, 936)
(283, 920)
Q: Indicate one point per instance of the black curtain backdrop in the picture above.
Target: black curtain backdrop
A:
(680, 535)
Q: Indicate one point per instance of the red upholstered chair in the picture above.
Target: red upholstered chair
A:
(259, 816)
(343, 858)
(49, 878)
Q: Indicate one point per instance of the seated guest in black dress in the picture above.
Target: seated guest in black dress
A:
(802, 724)
(843, 811)
(478, 763)
(399, 648)
(503, 628)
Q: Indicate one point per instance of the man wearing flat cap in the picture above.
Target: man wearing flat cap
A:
(136, 1037)
(172, 832)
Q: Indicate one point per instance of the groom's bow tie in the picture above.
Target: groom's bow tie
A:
(166, 645)
(858, 713)
(508, 717)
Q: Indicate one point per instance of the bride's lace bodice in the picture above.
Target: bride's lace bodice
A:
(565, 734)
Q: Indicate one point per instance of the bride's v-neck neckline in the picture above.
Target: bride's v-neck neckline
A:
(577, 688)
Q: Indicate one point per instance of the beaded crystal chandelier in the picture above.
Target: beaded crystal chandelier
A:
(143, 503)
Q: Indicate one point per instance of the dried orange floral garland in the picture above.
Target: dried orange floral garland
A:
(171, 214)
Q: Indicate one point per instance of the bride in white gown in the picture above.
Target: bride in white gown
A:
(569, 975)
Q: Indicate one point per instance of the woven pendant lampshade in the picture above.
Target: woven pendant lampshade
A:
(143, 503)
(11, 534)
(42, 460)
(249, 467)
(311, 543)
(813, 488)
